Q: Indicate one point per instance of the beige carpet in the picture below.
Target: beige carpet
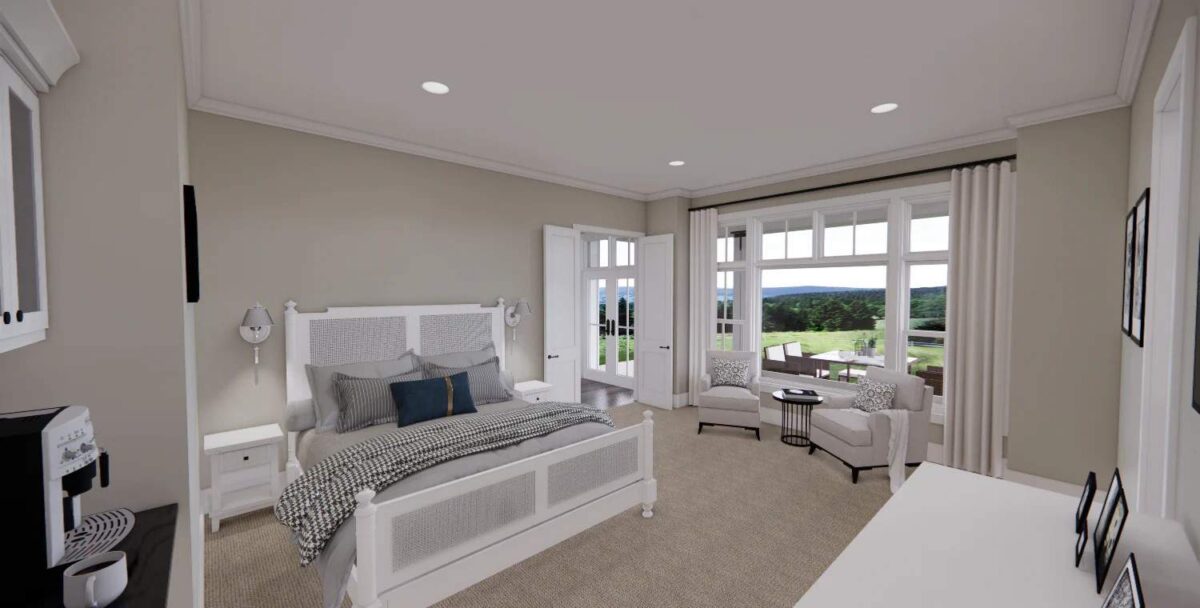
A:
(738, 523)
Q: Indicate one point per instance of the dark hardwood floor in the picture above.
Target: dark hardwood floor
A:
(603, 396)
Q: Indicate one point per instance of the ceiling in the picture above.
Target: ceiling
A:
(602, 95)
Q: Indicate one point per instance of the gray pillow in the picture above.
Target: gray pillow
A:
(874, 396)
(324, 393)
(300, 416)
(730, 372)
(460, 359)
(366, 402)
(484, 380)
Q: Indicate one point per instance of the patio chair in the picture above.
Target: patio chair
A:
(774, 359)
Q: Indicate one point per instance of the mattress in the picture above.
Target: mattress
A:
(333, 565)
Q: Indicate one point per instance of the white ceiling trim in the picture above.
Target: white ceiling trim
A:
(936, 147)
(1137, 42)
(275, 119)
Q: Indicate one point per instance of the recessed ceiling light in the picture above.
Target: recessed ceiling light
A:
(884, 108)
(435, 87)
(677, 163)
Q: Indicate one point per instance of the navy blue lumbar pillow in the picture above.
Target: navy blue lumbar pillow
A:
(420, 400)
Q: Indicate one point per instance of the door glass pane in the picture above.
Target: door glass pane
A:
(623, 258)
(774, 240)
(598, 253)
(870, 232)
(799, 237)
(597, 328)
(625, 322)
(929, 229)
(927, 297)
(25, 206)
(839, 234)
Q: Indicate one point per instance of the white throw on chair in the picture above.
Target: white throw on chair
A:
(729, 405)
(860, 440)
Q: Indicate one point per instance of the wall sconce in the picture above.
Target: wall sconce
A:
(256, 327)
(512, 314)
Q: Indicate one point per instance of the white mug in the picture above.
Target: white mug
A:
(95, 582)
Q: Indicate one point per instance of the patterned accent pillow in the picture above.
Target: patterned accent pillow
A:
(730, 372)
(364, 402)
(874, 396)
(484, 379)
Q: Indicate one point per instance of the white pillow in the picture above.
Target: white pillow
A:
(874, 396)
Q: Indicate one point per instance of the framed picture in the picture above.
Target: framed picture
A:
(1109, 527)
(1080, 545)
(1127, 591)
(1085, 503)
(1127, 285)
(1196, 355)
(1141, 238)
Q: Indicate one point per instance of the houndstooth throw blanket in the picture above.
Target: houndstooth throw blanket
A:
(315, 505)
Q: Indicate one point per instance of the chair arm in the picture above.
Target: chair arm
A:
(837, 402)
(881, 429)
(755, 385)
(705, 382)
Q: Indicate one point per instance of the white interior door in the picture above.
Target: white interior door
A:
(561, 336)
(654, 320)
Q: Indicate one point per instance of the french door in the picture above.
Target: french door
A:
(610, 283)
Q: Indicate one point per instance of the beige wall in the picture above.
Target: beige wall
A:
(670, 216)
(1171, 17)
(287, 215)
(111, 143)
(1069, 221)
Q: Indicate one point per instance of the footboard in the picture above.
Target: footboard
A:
(423, 547)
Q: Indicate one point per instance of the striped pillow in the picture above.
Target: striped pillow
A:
(364, 402)
(484, 379)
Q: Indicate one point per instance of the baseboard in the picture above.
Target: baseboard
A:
(934, 453)
(206, 504)
(1044, 483)
(679, 400)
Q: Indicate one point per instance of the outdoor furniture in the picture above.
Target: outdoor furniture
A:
(835, 356)
(774, 359)
(860, 440)
(729, 405)
(810, 366)
(934, 376)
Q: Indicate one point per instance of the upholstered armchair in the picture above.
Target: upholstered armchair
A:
(860, 440)
(729, 405)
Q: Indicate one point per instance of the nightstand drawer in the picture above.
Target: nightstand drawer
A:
(536, 397)
(245, 459)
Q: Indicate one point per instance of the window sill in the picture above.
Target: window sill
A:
(772, 382)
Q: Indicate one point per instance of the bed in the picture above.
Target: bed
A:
(437, 532)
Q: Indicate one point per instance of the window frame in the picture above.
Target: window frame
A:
(899, 203)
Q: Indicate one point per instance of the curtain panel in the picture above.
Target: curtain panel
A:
(702, 300)
(979, 317)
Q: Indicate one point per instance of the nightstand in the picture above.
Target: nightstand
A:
(532, 391)
(243, 469)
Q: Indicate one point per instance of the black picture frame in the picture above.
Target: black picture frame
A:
(1085, 503)
(1109, 527)
(1127, 282)
(1080, 545)
(1126, 592)
(1141, 250)
(1196, 351)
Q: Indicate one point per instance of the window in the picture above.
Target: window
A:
(824, 315)
(826, 292)
(597, 253)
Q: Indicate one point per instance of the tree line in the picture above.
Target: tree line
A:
(848, 310)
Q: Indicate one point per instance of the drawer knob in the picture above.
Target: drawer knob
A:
(7, 317)
(20, 316)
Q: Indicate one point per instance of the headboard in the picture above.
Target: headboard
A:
(350, 334)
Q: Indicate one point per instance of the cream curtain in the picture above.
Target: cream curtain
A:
(702, 300)
(978, 316)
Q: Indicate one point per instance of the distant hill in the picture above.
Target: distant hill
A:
(771, 292)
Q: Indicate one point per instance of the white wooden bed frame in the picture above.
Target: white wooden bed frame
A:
(547, 498)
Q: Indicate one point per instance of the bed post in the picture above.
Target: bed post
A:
(367, 595)
(649, 485)
(289, 320)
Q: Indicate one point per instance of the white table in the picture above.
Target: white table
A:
(834, 356)
(244, 470)
(951, 538)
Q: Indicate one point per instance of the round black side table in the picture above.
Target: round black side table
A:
(797, 417)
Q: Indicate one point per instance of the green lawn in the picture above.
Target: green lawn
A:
(816, 342)
(626, 342)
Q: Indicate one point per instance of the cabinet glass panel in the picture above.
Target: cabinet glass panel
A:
(25, 206)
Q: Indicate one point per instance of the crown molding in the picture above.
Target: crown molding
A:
(668, 193)
(275, 119)
(1137, 42)
(1070, 110)
(936, 147)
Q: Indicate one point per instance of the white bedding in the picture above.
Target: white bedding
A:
(333, 565)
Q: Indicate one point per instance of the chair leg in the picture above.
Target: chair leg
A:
(699, 427)
(854, 475)
(756, 435)
(812, 448)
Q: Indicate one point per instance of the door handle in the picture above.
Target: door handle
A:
(551, 356)
(665, 347)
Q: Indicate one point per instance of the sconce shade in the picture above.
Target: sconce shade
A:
(523, 307)
(257, 317)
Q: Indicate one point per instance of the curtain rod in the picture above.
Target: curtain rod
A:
(858, 182)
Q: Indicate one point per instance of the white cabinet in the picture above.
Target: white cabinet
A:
(24, 315)
(533, 391)
(244, 469)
